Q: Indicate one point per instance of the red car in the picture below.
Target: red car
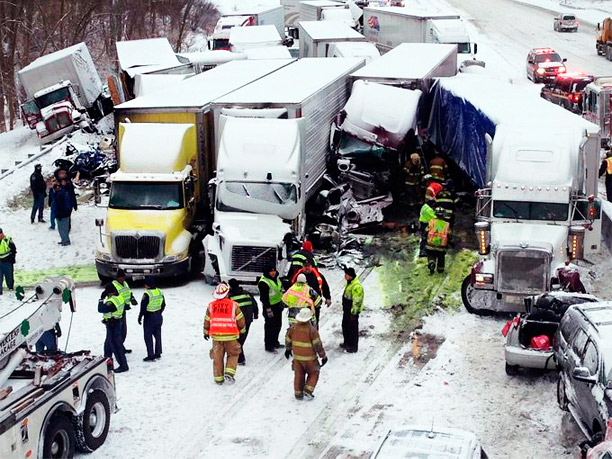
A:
(544, 64)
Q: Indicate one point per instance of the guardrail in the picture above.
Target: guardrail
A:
(32, 158)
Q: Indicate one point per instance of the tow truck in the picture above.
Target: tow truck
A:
(54, 402)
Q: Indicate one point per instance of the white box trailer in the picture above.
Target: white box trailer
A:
(313, 10)
(246, 17)
(411, 65)
(317, 36)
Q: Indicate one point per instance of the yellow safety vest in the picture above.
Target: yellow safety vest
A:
(275, 289)
(156, 299)
(5, 250)
(123, 290)
(119, 304)
(609, 168)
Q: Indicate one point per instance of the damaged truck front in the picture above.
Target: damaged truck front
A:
(537, 180)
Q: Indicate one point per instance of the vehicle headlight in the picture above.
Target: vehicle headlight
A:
(42, 129)
(179, 256)
(103, 256)
(540, 71)
(483, 278)
(561, 70)
(76, 116)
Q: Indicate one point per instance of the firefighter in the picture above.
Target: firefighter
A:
(111, 305)
(318, 283)
(303, 341)
(352, 306)
(438, 168)
(299, 295)
(413, 177)
(606, 168)
(434, 186)
(8, 252)
(248, 306)
(123, 289)
(152, 307)
(224, 322)
(300, 257)
(271, 296)
(446, 201)
(426, 214)
(438, 232)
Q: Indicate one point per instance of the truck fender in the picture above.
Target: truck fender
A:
(59, 407)
(212, 253)
(98, 382)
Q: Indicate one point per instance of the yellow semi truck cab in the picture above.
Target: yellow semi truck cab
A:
(148, 229)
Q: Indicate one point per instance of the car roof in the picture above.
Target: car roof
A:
(543, 51)
(576, 77)
(600, 316)
(420, 441)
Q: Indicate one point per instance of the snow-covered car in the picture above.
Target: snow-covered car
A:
(530, 335)
(565, 22)
(420, 441)
(544, 64)
(583, 350)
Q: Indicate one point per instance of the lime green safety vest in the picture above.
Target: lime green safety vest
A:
(119, 304)
(353, 292)
(123, 290)
(427, 214)
(275, 288)
(156, 299)
(243, 300)
(5, 250)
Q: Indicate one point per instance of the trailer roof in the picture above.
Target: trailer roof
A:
(44, 60)
(257, 9)
(408, 61)
(293, 83)
(322, 3)
(329, 30)
(149, 51)
(424, 13)
(202, 89)
(254, 34)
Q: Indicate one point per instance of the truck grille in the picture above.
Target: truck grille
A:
(247, 258)
(523, 271)
(134, 247)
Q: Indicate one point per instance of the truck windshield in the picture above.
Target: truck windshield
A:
(53, 97)
(531, 210)
(539, 58)
(221, 43)
(240, 196)
(146, 195)
(464, 48)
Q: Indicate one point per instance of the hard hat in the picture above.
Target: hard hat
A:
(307, 246)
(304, 315)
(301, 279)
(415, 157)
(221, 291)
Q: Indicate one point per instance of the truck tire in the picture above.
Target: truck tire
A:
(59, 438)
(466, 290)
(92, 426)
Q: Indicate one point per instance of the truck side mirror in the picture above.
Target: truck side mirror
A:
(475, 48)
(99, 222)
(598, 26)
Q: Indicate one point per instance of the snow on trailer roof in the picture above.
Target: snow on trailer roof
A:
(44, 60)
(149, 51)
(254, 34)
(256, 9)
(202, 89)
(268, 52)
(426, 13)
(322, 3)
(330, 30)
(509, 103)
(409, 61)
(293, 83)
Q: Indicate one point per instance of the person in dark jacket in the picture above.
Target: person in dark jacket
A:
(248, 306)
(152, 307)
(8, 252)
(606, 169)
(318, 283)
(270, 295)
(63, 209)
(55, 187)
(298, 258)
(48, 340)
(39, 191)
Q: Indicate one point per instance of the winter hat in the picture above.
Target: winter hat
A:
(233, 284)
(307, 246)
(110, 290)
(350, 272)
(38, 166)
(301, 278)
(221, 291)
(269, 268)
(149, 281)
(120, 273)
(304, 315)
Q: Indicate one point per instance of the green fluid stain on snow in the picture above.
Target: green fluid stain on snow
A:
(81, 273)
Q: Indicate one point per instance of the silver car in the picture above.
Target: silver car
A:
(565, 22)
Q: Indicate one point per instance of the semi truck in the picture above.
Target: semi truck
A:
(158, 212)
(64, 92)
(244, 38)
(53, 403)
(269, 167)
(536, 180)
(597, 106)
(365, 50)
(390, 26)
(603, 38)
(254, 16)
(316, 37)
(314, 10)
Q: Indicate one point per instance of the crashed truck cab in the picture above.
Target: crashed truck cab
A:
(257, 196)
(148, 226)
(535, 215)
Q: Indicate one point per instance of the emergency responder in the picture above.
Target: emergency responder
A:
(606, 168)
(111, 305)
(300, 257)
(224, 322)
(438, 232)
(300, 295)
(433, 187)
(318, 283)
(123, 289)
(152, 306)
(438, 168)
(271, 295)
(426, 214)
(8, 252)
(352, 306)
(446, 201)
(413, 178)
(250, 311)
(303, 341)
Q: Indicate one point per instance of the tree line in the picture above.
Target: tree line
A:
(32, 28)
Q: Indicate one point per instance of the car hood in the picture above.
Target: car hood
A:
(549, 65)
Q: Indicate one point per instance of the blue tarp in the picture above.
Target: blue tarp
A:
(458, 129)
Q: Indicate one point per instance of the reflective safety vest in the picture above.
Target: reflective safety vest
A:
(296, 298)
(437, 234)
(156, 299)
(427, 214)
(223, 314)
(353, 295)
(123, 290)
(275, 289)
(119, 304)
(243, 300)
(5, 250)
(298, 259)
(609, 166)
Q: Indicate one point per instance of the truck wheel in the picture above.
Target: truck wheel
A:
(512, 370)
(561, 395)
(93, 425)
(467, 295)
(59, 438)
